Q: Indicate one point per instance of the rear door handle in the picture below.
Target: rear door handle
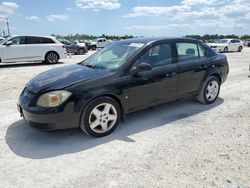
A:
(170, 74)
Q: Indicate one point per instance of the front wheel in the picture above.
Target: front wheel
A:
(51, 58)
(240, 49)
(100, 117)
(210, 90)
(225, 50)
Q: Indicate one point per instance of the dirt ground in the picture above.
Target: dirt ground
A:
(183, 144)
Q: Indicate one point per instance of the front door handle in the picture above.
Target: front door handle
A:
(202, 66)
(170, 74)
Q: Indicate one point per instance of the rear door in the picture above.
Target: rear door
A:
(34, 48)
(15, 52)
(192, 65)
(37, 47)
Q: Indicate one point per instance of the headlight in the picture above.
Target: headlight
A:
(52, 99)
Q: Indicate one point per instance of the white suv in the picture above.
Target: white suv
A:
(31, 48)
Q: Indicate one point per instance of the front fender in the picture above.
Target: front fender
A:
(115, 93)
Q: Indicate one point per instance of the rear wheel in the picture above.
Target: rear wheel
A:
(100, 117)
(225, 50)
(81, 51)
(210, 90)
(51, 58)
(240, 49)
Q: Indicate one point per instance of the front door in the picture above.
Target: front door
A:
(158, 85)
(16, 51)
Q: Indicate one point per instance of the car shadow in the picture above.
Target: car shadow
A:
(28, 142)
(25, 64)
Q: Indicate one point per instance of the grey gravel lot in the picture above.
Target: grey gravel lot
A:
(183, 144)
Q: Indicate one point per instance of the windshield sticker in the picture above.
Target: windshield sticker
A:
(137, 45)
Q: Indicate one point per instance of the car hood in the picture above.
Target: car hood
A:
(59, 78)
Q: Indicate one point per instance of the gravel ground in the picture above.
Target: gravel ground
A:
(183, 144)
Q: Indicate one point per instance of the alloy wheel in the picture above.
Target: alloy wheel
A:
(102, 118)
(212, 90)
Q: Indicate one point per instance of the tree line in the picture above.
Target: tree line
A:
(212, 37)
(117, 37)
(91, 37)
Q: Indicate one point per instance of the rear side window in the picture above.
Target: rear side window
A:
(39, 40)
(33, 40)
(188, 51)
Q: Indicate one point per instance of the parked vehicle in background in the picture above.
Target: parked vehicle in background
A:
(100, 43)
(226, 45)
(247, 42)
(124, 77)
(88, 44)
(31, 48)
(74, 48)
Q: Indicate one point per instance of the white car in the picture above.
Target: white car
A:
(31, 48)
(226, 45)
(100, 43)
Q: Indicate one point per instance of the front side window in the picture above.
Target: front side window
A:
(158, 55)
(187, 51)
(18, 40)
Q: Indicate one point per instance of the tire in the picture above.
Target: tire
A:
(100, 117)
(210, 90)
(51, 58)
(225, 50)
(240, 49)
(81, 51)
(93, 47)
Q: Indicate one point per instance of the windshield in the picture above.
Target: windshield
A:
(222, 41)
(113, 56)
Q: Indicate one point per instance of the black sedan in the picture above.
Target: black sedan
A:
(124, 77)
(74, 48)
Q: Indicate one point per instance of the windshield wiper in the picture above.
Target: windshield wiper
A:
(94, 66)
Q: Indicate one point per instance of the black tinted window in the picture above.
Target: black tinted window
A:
(33, 40)
(158, 55)
(47, 41)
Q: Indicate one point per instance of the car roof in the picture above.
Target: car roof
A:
(147, 40)
(33, 36)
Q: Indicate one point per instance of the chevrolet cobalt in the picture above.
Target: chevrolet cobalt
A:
(124, 77)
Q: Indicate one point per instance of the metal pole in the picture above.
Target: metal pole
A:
(8, 26)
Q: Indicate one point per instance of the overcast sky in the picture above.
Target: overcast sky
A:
(133, 17)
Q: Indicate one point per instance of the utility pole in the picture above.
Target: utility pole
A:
(7, 22)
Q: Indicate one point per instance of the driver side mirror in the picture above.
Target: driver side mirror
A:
(142, 67)
(8, 43)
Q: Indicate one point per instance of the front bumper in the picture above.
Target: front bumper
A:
(50, 119)
(218, 50)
